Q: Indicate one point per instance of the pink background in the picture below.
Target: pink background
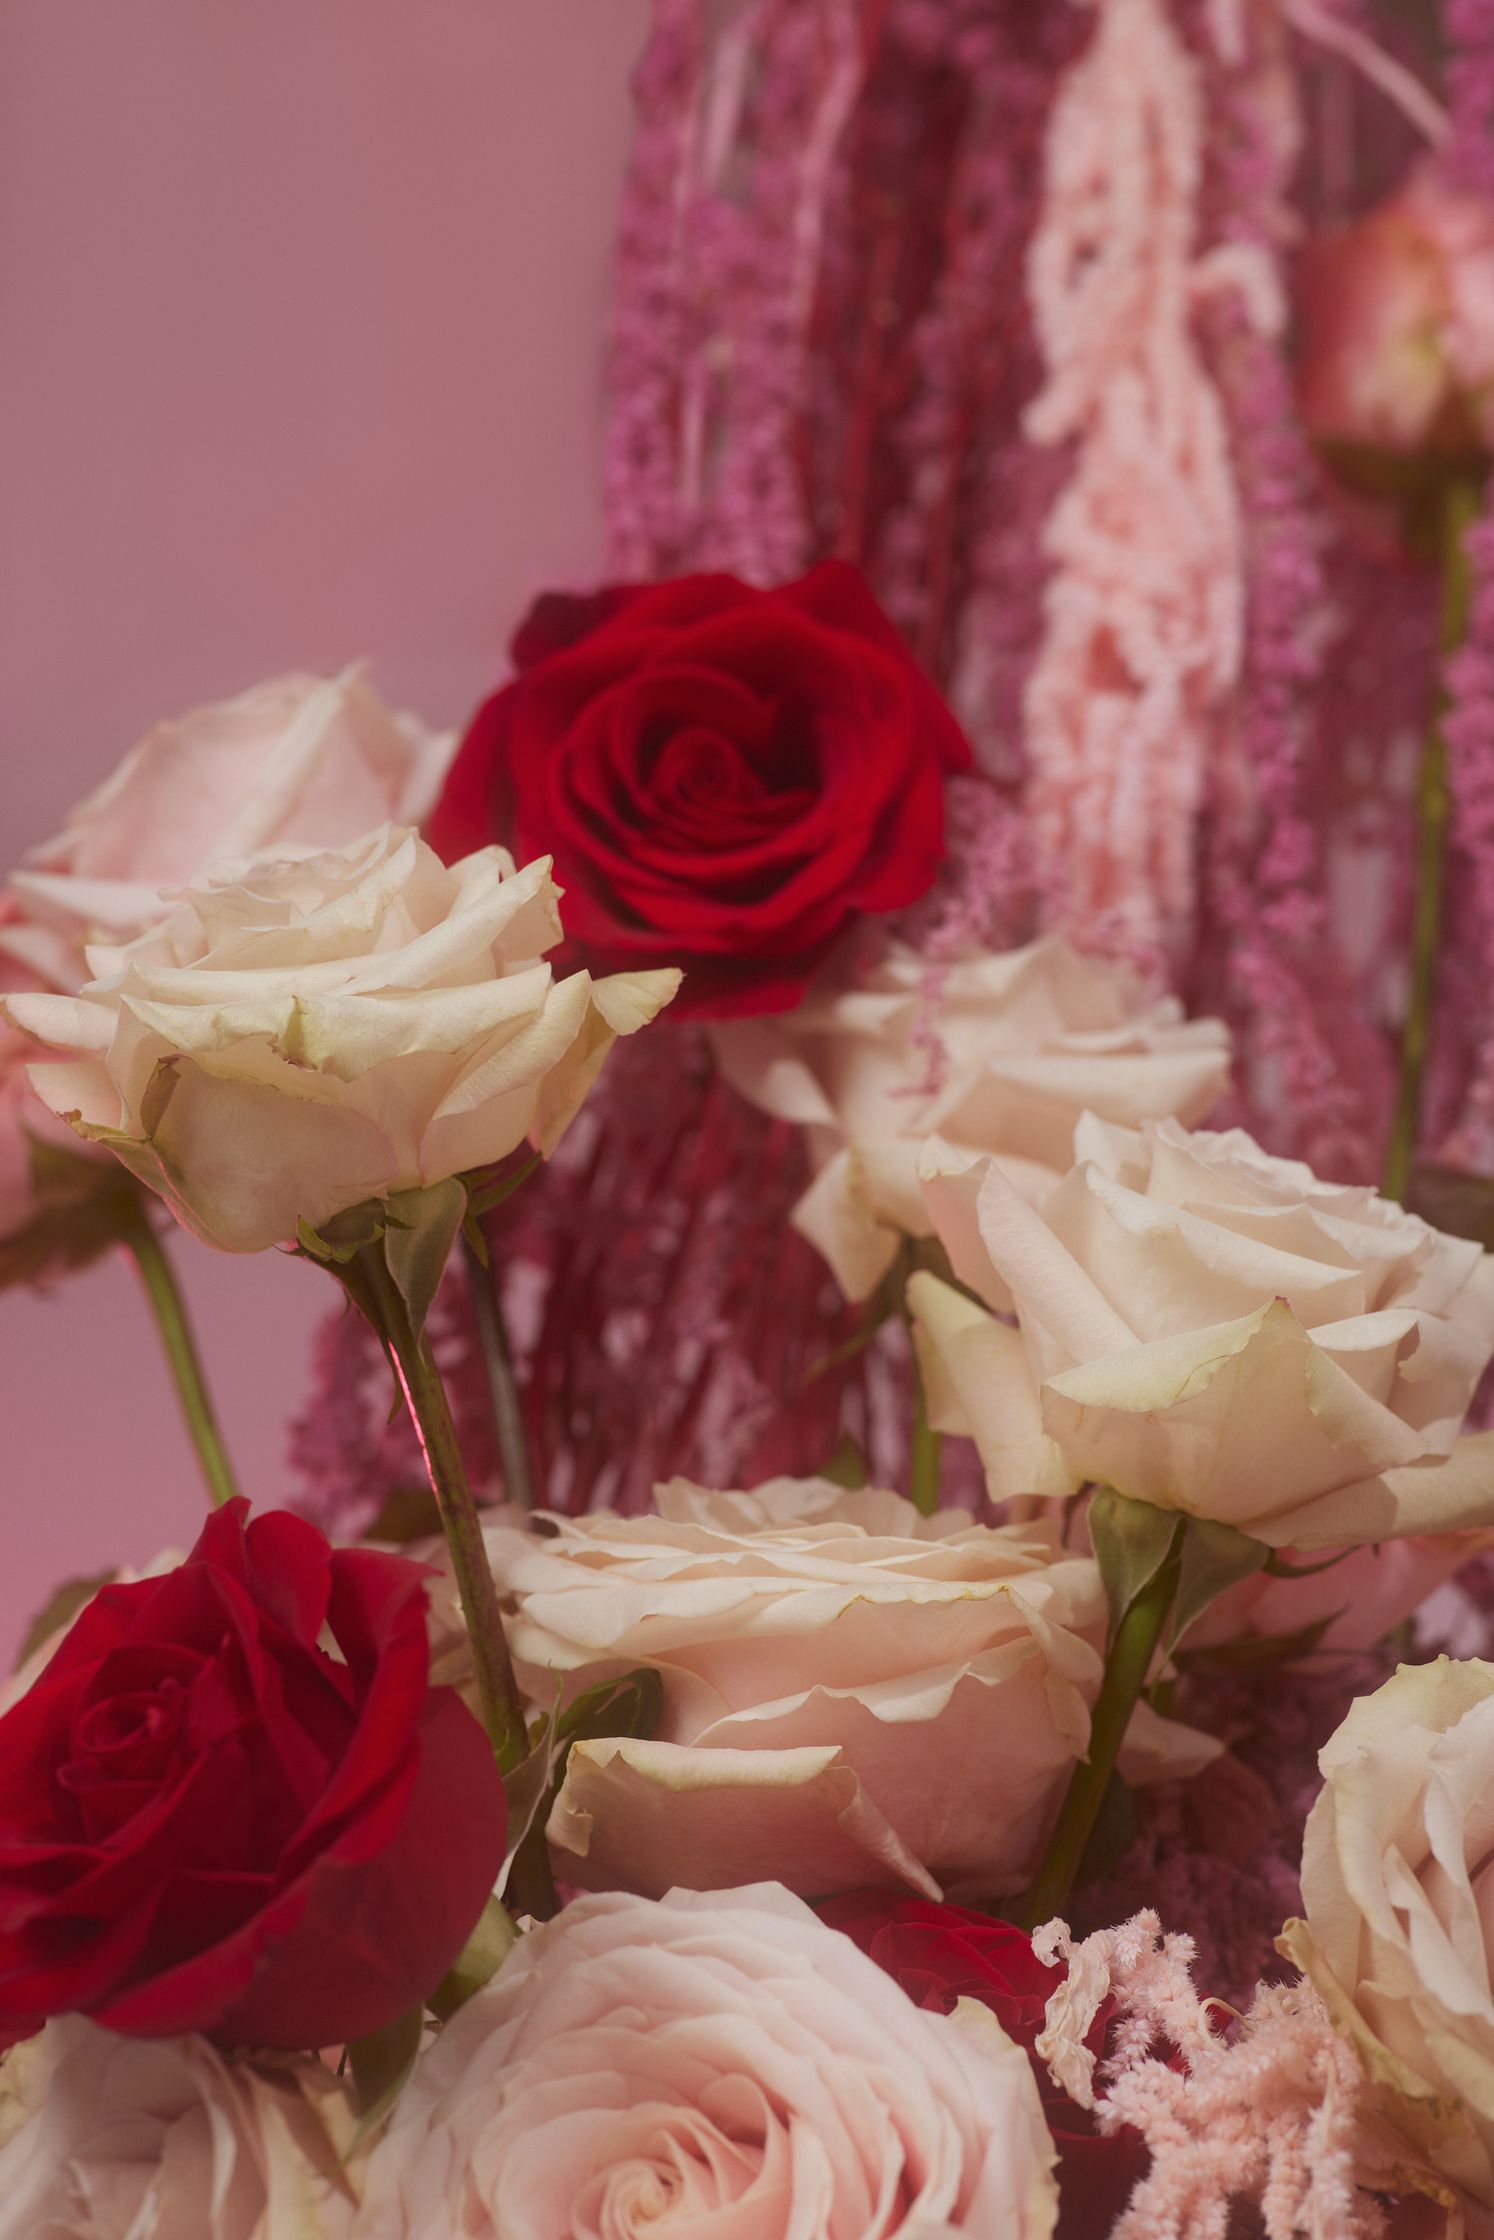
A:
(302, 314)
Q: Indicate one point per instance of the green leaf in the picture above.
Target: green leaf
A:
(417, 1242)
(1214, 1558)
(1131, 1540)
(60, 1608)
(847, 1466)
(478, 1962)
(381, 2064)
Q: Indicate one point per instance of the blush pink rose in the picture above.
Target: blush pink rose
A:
(306, 762)
(852, 1694)
(1397, 315)
(1356, 1602)
(719, 2067)
(997, 1053)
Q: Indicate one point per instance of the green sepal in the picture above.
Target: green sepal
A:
(477, 1963)
(418, 1236)
(1214, 1558)
(487, 1187)
(1131, 1541)
(1277, 1566)
(629, 1706)
(60, 1608)
(1257, 1649)
(382, 2064)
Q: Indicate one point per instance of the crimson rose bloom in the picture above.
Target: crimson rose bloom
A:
(941, 1954)
(209, 1822)
(725, 777)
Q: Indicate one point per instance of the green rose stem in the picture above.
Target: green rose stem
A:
(926, 1453)
(1126, 1668)
(145, 1248)
(425, 1397)
(503, 1391)
(1460, 505)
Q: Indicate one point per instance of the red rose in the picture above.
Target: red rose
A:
(209, 1822)
(940, 1954)
(725, 777)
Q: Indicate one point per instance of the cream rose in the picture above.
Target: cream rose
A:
(722, 2067)
(106, 2138)
(1398, 1890)
(853, 1693)
(321, 1029)
(998, 1053)
(1212, 1330)
(302, 762)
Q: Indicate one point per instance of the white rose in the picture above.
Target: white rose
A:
(107, 2138)
(301, 762)
(1398, 1890)
(998, 1053)
(722, 2067)
(852, 1693)
(321, 1029)
(1213, 1330)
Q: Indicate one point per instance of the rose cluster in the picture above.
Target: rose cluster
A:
(592, 1875)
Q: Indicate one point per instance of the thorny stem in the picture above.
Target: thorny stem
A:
(1126, 1668)
(145, 1248)
(425, 1397)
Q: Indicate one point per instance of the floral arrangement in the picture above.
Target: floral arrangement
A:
(879, 1626)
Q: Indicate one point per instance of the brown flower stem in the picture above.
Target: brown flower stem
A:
(1460, 506)
(425, 1397)
(1126, 1668)
(138, 1236)
(503, 1390)
(925, 1454)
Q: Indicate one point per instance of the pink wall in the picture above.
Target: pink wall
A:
(302, 309)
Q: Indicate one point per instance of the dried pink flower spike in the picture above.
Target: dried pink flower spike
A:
(1266, 2113)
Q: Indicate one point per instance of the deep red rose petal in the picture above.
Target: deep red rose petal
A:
(354, 1942)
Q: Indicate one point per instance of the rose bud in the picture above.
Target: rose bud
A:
(726, 777)
(211, 1822)
(1397, 346)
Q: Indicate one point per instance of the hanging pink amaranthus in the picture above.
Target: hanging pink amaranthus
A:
(1143, 610)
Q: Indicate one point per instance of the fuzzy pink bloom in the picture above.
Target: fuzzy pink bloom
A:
(1143, 612)
(1265, 2114)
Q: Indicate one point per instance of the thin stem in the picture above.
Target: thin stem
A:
(503, 1389)
(926, 1453)
(145, 1248)
(425, 1397)
(1126, 1668)
(1433, 814)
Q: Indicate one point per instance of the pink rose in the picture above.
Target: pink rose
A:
(1398, 324)
(717, 2067)
(997, 1053)
(852, 1694)
(1357, 1601)
(24, 1120)
(308, 762)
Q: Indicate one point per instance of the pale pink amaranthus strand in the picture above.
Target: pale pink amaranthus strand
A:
(1265, 2112)
(1142, 637)
(1312, 1070)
